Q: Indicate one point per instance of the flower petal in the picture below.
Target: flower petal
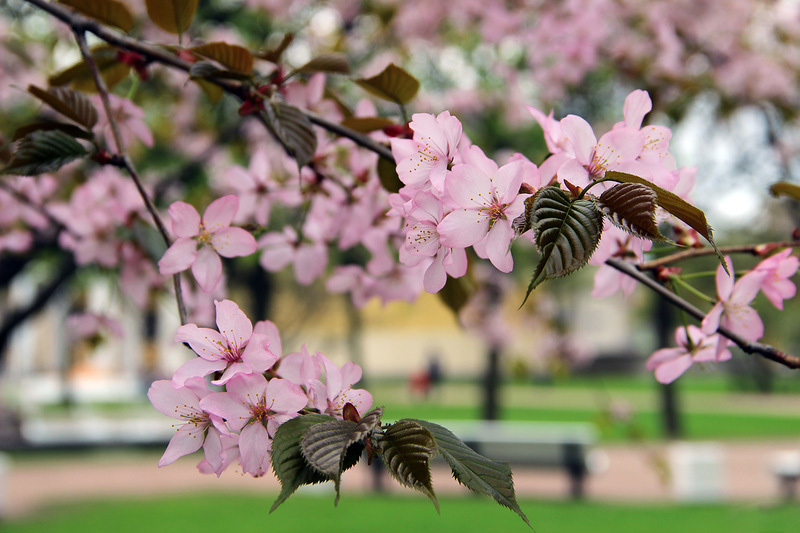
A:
(233, 242)
(178, 257)
(233, 324)
(185, 219)
(207, 269)
(220, 212)
(462, 228)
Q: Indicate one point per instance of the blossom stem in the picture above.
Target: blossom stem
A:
(126, 162)
(753, 249)
(679, 281)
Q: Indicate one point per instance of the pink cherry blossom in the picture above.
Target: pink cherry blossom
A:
(670, 363)
(256, 407)
(733, 309)
(485, 204)
(283, 248)
(779, 268)
(235, 348)
(200, 428)
(213, 233)
(330, 397)
(128, 116)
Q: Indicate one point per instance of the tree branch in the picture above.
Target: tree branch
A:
(765, 350)
(753, 249)
(126, 161)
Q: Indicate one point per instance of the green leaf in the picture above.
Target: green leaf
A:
(274, 55)
(234, 57)
(407, 449)
(476, 472)
(44, 151)
(109, 12)
(333, 63)
(80, 77)
(70, 129)
(323, 446)
(206, 70)
(676, 206)
(566, 232)
(368, 423)
(387, 174)
(172, 16)
(367, 124)
(784, 188)
(293, 129)
(393, 84)
(212, 91)
(72, 104)
(455, 293)
(288, 463)
(632, 208)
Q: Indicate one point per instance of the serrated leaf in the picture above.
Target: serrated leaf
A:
(407, 449)
(333, 63)
(455, 293)
(172, 16)
(72, 104)
(330, 449)
(274, 55)
(288, 463)
(368, 423)
(206, 70)
(784, 188)
(234, 57)
(70, 129)
(367, 124)
(566, 232)
(387, 174)
(632, 208)
(393, 84)
(44, 151)
(676, 206)
(522, 223)
(80, 77)
(109, 12)
(293, 129)
(476, 472)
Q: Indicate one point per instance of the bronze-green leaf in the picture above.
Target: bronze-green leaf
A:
(327, 447)
(407, 449)
(274, 55)
(72, 104)
(333, 63)
(70, 129)
(109, 12)
(393, 84)
(234, 57)
(387, 174)
(80, 77)
(676, 206)
(367, 124)
(44, 151)
(173, 16)
(632, 208)
(293, 129)
(784, 188)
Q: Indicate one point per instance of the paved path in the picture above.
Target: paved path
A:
(632, 473)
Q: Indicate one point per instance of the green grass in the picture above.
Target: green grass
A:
(240, 512)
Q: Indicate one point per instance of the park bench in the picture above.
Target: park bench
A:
(552, 445)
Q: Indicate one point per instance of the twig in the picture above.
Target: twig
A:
(753, 249)
(765, 350)
(126, 161)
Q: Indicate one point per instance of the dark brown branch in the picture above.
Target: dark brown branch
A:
(765, 350)
(126, 161)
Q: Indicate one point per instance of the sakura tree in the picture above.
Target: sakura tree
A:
(421, 203)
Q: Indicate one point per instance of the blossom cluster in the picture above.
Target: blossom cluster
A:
(256, 389)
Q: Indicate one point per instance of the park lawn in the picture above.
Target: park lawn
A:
(214, 512)
(645, 424)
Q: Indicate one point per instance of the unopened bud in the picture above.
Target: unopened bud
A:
(666, 273)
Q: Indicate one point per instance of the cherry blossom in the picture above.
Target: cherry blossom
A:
(670, 363)
(213, 233)
(776, 285)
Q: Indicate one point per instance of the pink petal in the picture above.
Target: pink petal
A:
(429, 133)
(169, 400)
(276, 257)
(435, 275)
(212, 449)
(637, 105)
(498, 242)
(207, 269)
(469, 187)
(178, 257)
(455, 263)
(206, 342)
(285, 397)
(220, 212)
(232, 323)
(607, 281)
(298, 367)
(664, 355)
(581, 136)
(185, 219)
(574, 172)
(725, 281)
(462, 228)
(618, 145)
(746, 322)
(258, 355)
(270, 330)
(253, 449)
(196, 367)
(746, 289)
(710, 323)
(224, 405)
(672, 370)
(188, 439)
(351, 374)
(507, 181)
(310, 262)
(233, 242)
(360, 398)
